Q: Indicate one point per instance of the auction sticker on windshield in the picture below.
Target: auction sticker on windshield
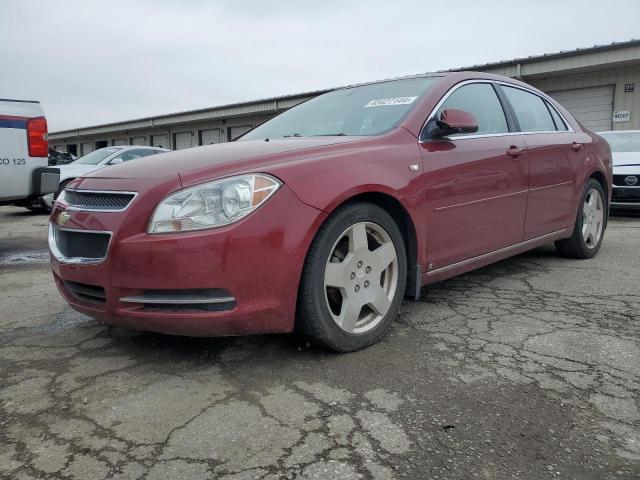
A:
(383, 102)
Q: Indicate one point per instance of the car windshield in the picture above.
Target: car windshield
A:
(365, 110)
(96, 156)
(623, 141)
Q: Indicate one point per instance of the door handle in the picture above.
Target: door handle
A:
(515, 151)
(576, 146)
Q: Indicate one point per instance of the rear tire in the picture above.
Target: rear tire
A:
(588, 232)
(353, 279)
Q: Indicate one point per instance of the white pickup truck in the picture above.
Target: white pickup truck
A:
(24, 174)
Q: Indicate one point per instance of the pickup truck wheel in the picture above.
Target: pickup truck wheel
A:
(590, 224)
(353, 280)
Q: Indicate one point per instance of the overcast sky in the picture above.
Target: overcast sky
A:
(92, 62)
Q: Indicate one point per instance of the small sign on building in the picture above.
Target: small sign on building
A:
(628, 87)
(620, 116)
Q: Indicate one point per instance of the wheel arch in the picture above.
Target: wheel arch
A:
(62, 185)
(405, 222)
(66, 181)
(602, 180)
(599, 177)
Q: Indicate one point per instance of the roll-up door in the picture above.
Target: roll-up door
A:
(160, 141)
(592, 106)
(138, 140)
(119, 141)
(208, 137)
(86, 147)
(182, 140)
(235, 132)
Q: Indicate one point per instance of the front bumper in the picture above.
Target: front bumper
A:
(255, 262)
(625, 197)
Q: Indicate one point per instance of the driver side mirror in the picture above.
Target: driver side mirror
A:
(451, 121)
(115, 161)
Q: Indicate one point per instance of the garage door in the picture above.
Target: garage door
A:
(138, 140)
(593, 107)
(86, 147)
(235, 132)
(208, 137)
(160, 141)
(182, 140)
(119, 141)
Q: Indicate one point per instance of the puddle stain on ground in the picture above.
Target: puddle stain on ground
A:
(24, 258)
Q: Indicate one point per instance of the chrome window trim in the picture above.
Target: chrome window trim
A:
(53, 247)
(106, 210)
(488, 135)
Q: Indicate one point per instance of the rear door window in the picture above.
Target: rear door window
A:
(481, 101)
(530, 110)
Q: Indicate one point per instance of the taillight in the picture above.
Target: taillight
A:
(37, 137)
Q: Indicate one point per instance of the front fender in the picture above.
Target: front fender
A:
(381, 169)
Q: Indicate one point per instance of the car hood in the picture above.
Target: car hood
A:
(625, 158)
(221, 158)
(71, 170)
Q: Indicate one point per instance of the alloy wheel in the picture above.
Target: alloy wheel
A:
(361, 277)
(592, 218)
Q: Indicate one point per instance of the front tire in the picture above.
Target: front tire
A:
(588, 232)
(353, 279)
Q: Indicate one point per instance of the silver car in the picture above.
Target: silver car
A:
(96, 160)
(625, 149)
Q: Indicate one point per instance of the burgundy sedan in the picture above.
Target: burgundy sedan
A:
(323, 218)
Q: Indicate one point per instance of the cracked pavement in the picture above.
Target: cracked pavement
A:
(529, 368)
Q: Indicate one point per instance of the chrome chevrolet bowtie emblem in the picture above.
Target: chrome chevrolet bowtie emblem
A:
(63, 218)
(631, 180)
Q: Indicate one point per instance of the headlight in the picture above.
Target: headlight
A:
(212, 204)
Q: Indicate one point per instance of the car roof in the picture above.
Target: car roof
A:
(388, 80)
(460, 75)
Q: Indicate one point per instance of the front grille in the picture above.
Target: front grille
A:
(626, 200)
(81, 244)
(86, 292)
(625, 195)
(92, 200)
(618, 181)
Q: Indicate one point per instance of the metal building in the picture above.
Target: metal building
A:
(598, 85)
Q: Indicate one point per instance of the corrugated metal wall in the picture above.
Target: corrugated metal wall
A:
(618, 77)
(232, 120)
